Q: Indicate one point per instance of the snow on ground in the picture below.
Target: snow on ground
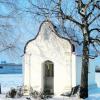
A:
(94, 93)
(13, 80)
(97, 78)
(8, 81)
(54, 98)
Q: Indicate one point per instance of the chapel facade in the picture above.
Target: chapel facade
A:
(50, 62)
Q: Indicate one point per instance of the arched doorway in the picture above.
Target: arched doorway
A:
(48, 77)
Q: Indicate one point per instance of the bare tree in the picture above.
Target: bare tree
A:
(83, 16)
(9, 39)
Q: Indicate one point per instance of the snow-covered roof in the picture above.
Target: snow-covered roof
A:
(56, 32)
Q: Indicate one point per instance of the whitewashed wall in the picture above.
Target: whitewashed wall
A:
(74, 70)
(67, 66)
(48, 46)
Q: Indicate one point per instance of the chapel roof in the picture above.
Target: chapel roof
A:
(56, 32)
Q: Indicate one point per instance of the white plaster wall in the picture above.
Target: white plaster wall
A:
(26, 73)
(74, 70)
(67, 66)
(26, 70)
(54, 49)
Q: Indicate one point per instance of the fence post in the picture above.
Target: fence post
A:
(0, 88)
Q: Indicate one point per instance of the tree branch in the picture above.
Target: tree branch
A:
(90, 13)
(95, 29)
(97, 51)
(95, 40)
(87, 5)
(93, 56)
(8, 16)
(67, 17)
(97, 5)
(81, 8)
(8, 47)
(94, 19)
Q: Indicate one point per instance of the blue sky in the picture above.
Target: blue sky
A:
(25, 27)
(22, 28)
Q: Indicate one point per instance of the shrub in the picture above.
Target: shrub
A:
(19, 92)
(40, 95)
(15, 93)
(11, 93)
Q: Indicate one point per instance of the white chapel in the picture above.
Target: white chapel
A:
(51, 63)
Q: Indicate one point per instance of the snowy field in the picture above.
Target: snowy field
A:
(8, 81)
(13, 80)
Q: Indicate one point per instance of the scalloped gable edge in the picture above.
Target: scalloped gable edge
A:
(54, 27)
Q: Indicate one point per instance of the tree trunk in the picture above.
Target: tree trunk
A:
(84, 70)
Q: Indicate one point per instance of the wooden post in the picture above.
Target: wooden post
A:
(0, 88)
